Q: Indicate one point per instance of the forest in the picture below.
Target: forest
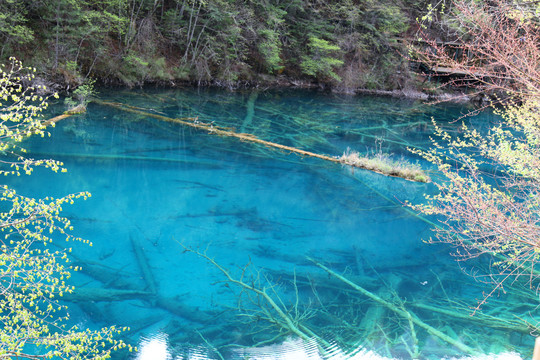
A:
(345, 44)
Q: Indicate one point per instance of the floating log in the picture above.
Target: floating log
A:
(195, 123)
(52, 121)
(56, 119)
(142, 261)
(79, 109)
(221, 131)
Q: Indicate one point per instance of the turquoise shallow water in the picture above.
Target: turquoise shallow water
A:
(261, 214)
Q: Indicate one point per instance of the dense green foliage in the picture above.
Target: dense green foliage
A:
(345, 43)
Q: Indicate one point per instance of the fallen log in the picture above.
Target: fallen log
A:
(221, 131)
(56, 119)
(179, 309)
(282, 317)
(83, 294)
(142, 261)
(79, 109)
(405, 314)
(250, 105)
(484, 320)
(110, 278)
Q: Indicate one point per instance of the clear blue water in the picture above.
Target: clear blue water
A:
(260, 213)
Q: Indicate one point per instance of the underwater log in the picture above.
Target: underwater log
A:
(250, 105)
(110, 278)
(82, 294)
(487, 321)
(143, 265)
(177, 308)
(283, 318)
(79, 109)
(401, 312)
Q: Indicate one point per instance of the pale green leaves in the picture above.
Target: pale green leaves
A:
(322, 60)
(32, 276)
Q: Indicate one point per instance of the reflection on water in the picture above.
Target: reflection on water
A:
(156, 349)
(153, 348)
(281, 234)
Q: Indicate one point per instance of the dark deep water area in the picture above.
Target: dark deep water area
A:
(266, 217)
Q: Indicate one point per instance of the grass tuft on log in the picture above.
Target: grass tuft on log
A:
(384, 164)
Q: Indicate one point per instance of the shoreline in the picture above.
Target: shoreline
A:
(276, 83)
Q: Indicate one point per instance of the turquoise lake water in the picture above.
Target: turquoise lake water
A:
(262, 214)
